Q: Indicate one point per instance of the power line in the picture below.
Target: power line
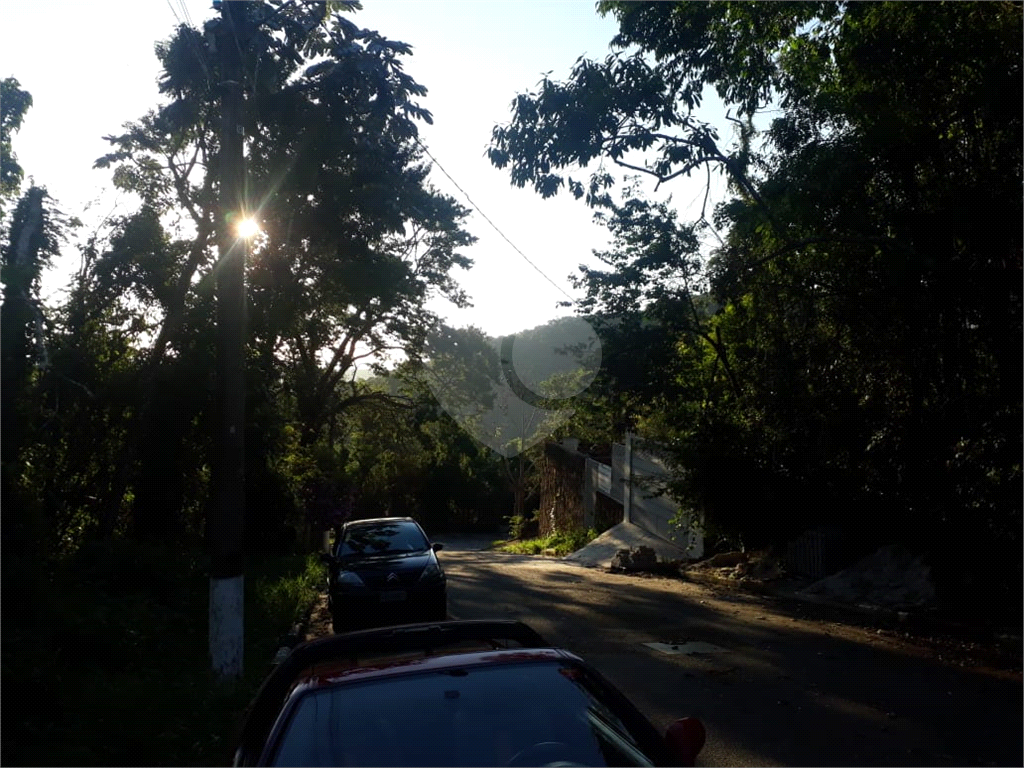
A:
(184, 10)
(427, 152)
(188, 37)
(493, 225)
(177, 18)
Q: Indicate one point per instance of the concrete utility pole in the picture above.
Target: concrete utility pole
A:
(627, 490)
(226, 518)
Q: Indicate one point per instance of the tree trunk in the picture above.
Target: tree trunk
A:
(16, 316)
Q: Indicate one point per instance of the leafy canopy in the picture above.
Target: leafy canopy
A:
(854, 338)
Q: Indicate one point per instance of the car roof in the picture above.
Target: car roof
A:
(344, 671)
(379, 520)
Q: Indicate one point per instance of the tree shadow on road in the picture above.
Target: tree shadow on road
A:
(786, 689)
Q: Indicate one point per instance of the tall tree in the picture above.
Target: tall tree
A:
(14, 103)
(353, 240)
(34, 239)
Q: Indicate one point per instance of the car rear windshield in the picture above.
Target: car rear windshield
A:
(513, 714)
(382, 538)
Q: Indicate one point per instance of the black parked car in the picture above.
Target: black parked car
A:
(384, 571)
(475, 693)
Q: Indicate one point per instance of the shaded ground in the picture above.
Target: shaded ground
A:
(792, 683)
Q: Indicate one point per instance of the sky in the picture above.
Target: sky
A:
(90, 68)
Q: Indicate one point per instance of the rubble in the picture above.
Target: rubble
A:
(743, 567)
(635, 559)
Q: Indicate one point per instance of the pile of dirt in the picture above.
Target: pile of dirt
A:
(890, 577)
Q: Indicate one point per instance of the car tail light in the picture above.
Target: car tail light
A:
(685, 739)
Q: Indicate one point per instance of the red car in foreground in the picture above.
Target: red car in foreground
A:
(453, 693)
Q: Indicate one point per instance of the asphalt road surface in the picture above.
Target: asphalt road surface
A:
(773, 683)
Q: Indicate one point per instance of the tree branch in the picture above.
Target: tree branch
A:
(816, 240)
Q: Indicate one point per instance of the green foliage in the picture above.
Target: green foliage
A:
(354, 244)
(14, 103)
(744, 50)
(118, 675)
(563, 543)
(850, 353)
(291, 597)
(519, 526)
(414, 459)
(36, 231)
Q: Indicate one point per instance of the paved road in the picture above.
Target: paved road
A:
(465, 542)
(782, 687)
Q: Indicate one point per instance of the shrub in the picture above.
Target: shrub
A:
(562, 543)
(116, 669)
(521, 526)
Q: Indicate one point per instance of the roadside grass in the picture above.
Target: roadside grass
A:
(562, 543)
(114, 668)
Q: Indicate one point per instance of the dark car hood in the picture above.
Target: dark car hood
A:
(375, 570)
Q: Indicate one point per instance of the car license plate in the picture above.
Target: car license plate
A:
(392, 597)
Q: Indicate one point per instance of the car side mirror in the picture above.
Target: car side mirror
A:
(436, 546)
(685, 739)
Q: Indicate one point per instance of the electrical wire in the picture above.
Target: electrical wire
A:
(177, 18)
(184, 10)
(493, 225)
(188, 37)
(433, 159)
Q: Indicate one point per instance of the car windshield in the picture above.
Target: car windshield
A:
(382, 538)
(513, 714)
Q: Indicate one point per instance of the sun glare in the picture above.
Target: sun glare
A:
(248, 228)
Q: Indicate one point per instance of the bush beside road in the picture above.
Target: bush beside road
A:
(112, 666)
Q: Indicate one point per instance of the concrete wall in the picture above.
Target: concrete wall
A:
(577, 491)
(642, 500)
